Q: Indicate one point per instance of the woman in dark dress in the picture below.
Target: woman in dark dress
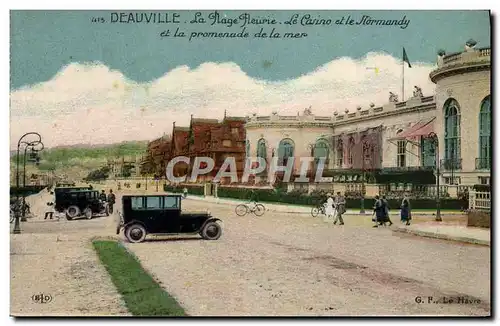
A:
(405, 211)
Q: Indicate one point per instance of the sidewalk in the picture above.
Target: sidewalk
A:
(295, 209)
(459, 233)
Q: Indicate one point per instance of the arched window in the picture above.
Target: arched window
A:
(285, 151)
(247, 148)
(340, 153)
(484, 134)
(452, 134)
(350, 152)
(262, 149)
(321, 151)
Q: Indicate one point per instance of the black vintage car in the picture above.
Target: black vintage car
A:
(61, 199)
(84, 202)
(162, 215)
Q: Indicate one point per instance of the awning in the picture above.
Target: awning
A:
(420, 129)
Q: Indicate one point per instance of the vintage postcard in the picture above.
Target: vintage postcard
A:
(250, 163)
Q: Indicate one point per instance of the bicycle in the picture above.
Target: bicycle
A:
(320, 209)
(244, 209)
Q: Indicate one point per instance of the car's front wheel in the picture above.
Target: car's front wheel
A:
(211, 231)
(72, 212)
(135, 233)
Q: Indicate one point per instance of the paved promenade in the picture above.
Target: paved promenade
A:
(56, 258)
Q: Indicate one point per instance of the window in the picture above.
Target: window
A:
(401, 158)
(226, 143)
(321, 151)
(171, 202)
(261, 149)
(285, 151)
(240, 144)
(452, 132)
(234, 131)
(428, 152)
(485, 134)
(351, 151)
(484, 180)
(137, 203)
(452, 180)
(153, 202)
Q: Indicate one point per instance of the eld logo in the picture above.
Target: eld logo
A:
(41, 298)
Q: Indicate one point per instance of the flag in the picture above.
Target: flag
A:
(405, 58)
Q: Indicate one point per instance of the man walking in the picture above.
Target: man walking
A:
(378, 210)
(102, 196)
(111, 200)
(340, 205)
(385, 204)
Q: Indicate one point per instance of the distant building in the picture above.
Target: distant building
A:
(203, 138)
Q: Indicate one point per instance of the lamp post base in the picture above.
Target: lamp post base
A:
(362, 209)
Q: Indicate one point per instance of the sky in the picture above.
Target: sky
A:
(76, 81)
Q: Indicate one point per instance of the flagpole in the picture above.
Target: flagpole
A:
(403, 85)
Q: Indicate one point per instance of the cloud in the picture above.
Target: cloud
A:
(89, 103)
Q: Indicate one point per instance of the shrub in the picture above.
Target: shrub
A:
(299, 198)
(192, 189)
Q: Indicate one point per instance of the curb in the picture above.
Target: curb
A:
(442, 236)
(307, 210)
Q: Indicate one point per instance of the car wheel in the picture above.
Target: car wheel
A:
(211, 231)
(72, 212)
(315, 211)
(259, 210)
(241, 210)
(135, 233)
(88, 213)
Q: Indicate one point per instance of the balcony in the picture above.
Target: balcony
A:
(449, 164)
(483, 163)
(460, 62)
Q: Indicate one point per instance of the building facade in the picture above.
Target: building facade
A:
(463, 114)
(203, 138)
(397, 137)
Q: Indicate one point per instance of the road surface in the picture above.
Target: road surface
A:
(292, 264)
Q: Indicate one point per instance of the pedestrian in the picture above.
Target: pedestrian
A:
(185, 192)
(111, 200)
(50, 210)
(329, 207)
(340, 205)
(405, 210)
(103, 196)
(378, 211)
(385, 204)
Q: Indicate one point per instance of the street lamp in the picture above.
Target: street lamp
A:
(33, 158)
(366, 147)
(435, 140)
(32, 144)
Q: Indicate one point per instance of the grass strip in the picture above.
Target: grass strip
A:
(142, 295)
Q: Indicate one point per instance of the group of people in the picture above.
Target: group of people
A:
(335, 208)
(110, 199)
(381, 211)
